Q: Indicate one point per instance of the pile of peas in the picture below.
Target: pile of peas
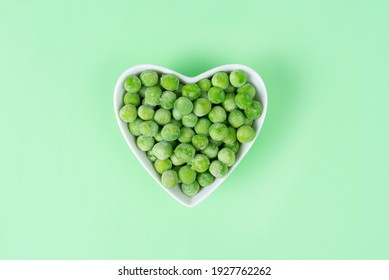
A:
(190, 132)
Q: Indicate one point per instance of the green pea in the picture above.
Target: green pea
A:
(162, 165)
(218, 131)
(162, 116)
(167, 99)
(184, 152)
(226, 156)
(217, 143)
(200, 163)
(248, 89)
(229, 103)
(178, 91)
(236, 118)
(216, 95)
(132, 98)
(217, 114)
(220, 79)
(204, 84)
(149, 128)
(146, 112)
(177, 115)
(132, 84)
(205, 179)
(176, 123)
(183, 105)
(234, 146)
(151, 156)
(169, 179)
(134, 127)
(202, 106)
(158, 137)
(149, 78)
(186, 135)
(170, 132)
(189, 120)
(169, 82)
(145, 143)
(163, 150)
(128, 113)
(190, 189)
(245, 134)
(187, 175)
(218, 169)
(243, 100)
(153, 96)
(237, 78)
(142, 92)
(231, 136)
(192, 91)
(176, 161)
(211, 150)
(254, 111)
(202, 126)
(230, 89)
(200, 142)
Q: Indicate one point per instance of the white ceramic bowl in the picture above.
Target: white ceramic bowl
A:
(252, 77)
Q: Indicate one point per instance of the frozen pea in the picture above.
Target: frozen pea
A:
(134, 127)
(205, 179)
(200, 163)
(249, 122)
(216, 95)
(217, 114)
(177, 168)
(237, 78)
(170, 132)
(178, 91)
(176, 161)
(149, 128)
(162, 165)
(132, 84)
(229, 102)
(254, 111)
(202, 126)
(187, 175)
(167, 99)
(145, 143)
(177, 115)
(192, 91)
(163, 150)
(142, 92)
(183, 105)
(189, 120)
(218, 131)
(218, 169)
(245, 134)
(149, 78)
(226, 156)
(176, 122)
(204, 84)
(211, 150)
(169, 178)
(146, 112)
(231, 136)
(132, 98)
(169, 82)
(151, 156)
(190, 189)
(234, 146)
(236, 118)
(128, 113)
(243, 100)
(158, 137)
(217, 143)
(153, 96)
(200, 142)
(220, 79)
(230, 89)
(186, 135)
(184, 152)
(204, 94)
(248, 89)
(162, 116)
(201, 107)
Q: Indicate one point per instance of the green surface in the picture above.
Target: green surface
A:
(314, 186)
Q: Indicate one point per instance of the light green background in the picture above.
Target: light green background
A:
(314, 186)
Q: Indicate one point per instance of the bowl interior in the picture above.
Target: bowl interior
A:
(252, 77)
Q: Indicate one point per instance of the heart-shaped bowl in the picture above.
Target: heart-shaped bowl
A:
(252, 77)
